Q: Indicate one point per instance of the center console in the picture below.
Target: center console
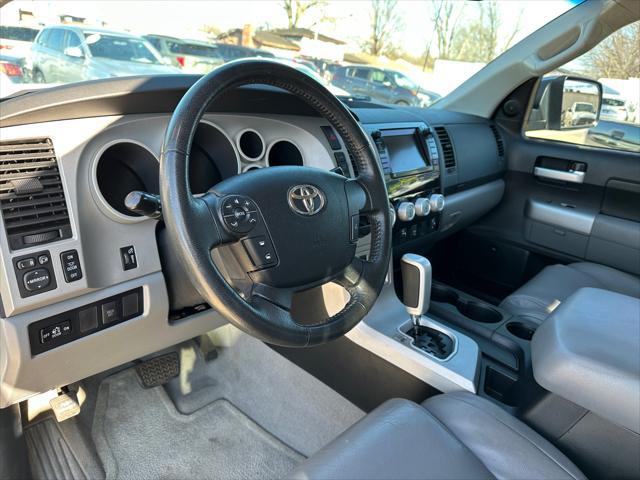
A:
(409, 157)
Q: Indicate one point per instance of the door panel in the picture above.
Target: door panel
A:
(569, 203)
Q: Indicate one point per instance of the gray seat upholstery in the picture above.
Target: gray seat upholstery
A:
(537, 298)
(451, 436)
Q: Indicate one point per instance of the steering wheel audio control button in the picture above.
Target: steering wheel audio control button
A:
(240, 213)
(261, 251)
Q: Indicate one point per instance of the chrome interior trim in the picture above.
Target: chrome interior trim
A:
(553, 174)
(379, 334)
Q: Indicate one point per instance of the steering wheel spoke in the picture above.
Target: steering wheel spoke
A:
(279, 297)
(206, 228)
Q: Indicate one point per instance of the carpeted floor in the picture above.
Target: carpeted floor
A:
(249, 413)
(139, 434)
(282, 398)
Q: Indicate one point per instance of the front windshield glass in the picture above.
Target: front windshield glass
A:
(119, 48)
(403, 52)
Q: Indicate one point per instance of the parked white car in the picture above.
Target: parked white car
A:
(614, 108)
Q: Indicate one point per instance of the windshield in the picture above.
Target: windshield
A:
(193, 49)
(119, 48)
(612, 102)
(584, 107)
(404, 52)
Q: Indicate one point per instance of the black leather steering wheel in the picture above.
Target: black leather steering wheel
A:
(291, 228)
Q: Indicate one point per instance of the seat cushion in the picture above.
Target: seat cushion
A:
(538, 297)
(505, 445)
(452, 436)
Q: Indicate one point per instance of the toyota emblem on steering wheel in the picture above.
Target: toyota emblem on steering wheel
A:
(306, 200)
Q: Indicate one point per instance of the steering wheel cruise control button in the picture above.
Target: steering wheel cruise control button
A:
(260, 251)
(240, 214)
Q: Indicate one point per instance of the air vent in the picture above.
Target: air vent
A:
(499, 143)
(447, 148)
(32, 200)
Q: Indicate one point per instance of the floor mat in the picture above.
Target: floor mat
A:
(50, 455)
(278, 395)
(139, 434)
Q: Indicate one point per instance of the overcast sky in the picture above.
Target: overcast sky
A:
(351, 16)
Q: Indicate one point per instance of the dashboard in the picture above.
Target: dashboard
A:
(84, 280)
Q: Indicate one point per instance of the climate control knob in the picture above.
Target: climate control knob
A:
(422, 207)
(406, 211)
(437, 202)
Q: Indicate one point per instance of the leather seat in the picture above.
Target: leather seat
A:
(451, 436)
(538, 297)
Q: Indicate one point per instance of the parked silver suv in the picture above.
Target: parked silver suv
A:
(70, 54)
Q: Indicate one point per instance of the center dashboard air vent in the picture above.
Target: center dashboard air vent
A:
(447, 148)
(32, 202)
(499, 142)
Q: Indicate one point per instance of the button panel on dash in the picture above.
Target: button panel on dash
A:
(71, 266)
(34, 273)
(128, 257)
(85, 320)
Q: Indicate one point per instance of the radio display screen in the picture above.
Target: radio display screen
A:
(405, 155)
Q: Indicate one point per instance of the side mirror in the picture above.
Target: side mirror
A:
(386, 83)
(567, 103)
(75, 52)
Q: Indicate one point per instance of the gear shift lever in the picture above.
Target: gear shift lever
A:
(416, 280)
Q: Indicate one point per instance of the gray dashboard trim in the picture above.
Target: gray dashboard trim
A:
(102, 203)
(23, 375)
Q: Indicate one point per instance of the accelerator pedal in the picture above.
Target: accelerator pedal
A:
(158, 370)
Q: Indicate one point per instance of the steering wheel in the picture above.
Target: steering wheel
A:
(291, 228)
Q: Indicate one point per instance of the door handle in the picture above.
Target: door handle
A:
(572, 176)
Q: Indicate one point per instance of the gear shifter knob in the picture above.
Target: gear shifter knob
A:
(416, 281)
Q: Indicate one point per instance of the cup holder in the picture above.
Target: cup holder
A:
(523, 330)
(441, 293)
(480, 312)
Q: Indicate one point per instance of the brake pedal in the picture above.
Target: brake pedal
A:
(159, 370)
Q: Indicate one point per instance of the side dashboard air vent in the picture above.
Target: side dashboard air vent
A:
(32, 199)
(499, 142)
(447, 148)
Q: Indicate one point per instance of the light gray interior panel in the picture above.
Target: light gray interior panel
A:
(99, 231)
(561, 215)
(615, 242)
(587, 352)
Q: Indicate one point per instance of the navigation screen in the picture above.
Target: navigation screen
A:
(404, 154)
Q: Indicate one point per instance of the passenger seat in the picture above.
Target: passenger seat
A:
(539, 297)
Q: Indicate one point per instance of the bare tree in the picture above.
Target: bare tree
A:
(297, 9)
(617, 56)
(385, 23)
(446, 16)
(477, 41)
